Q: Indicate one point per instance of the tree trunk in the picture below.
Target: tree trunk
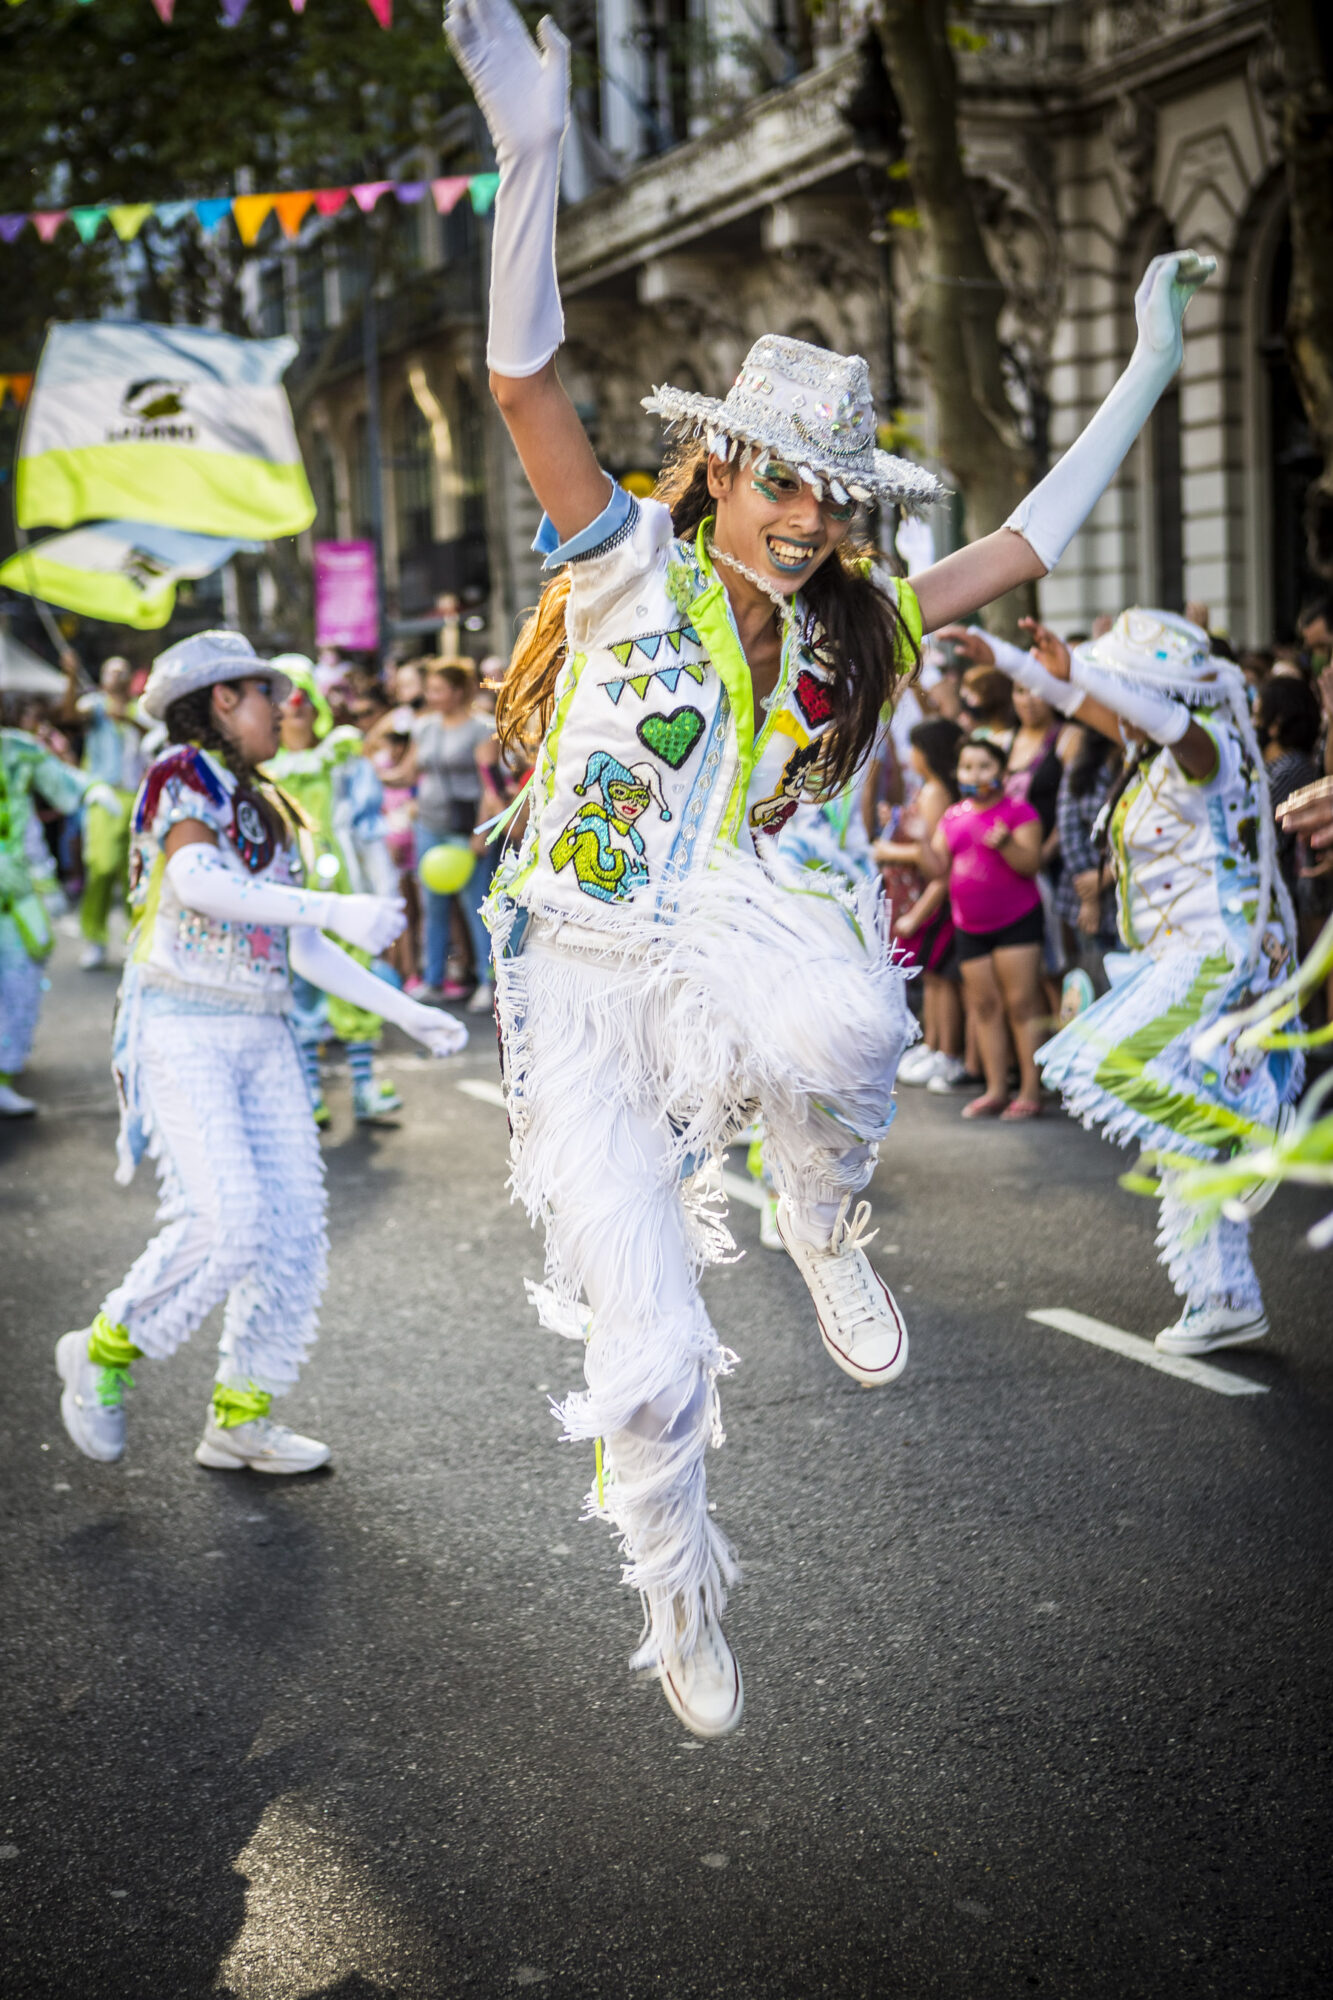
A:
(1304, 32)
(954, 324)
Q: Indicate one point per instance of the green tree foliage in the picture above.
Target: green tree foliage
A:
(103, 103)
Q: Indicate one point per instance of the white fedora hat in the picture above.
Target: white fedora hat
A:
(811, 408)
(201, 661)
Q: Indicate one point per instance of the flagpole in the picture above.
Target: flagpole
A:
(48, 623)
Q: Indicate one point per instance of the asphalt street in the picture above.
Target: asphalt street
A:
(1036, 1643)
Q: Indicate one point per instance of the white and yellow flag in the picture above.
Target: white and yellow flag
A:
(171, 424)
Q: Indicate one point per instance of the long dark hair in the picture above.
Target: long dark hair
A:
(864, 642)
(191, 720)
(938, 740)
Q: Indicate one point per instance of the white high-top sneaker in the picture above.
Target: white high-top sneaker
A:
(259, 1446)
(1202, 1328)
(859, 1320)
(705, 1691)
(92, 1408)
(13, 1105)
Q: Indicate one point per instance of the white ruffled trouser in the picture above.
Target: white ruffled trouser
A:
(626, 1072)
(242, 1183)
(20, 1004)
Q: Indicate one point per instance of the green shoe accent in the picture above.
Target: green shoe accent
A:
(323, 1116)
(111, 1350)
(238, 1406)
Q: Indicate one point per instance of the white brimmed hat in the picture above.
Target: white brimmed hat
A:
(812, 409)
(1164, 652)
(200, 661)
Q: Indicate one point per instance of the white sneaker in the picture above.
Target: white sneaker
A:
(483, 998)
(92, 958)
(917, 1064)
(374, 1104)
(705, 1691)
(859, 1320)
(261, 1446)
(14, 1106)
(91, 1407)
(1202, 1328)
(950, 1074)
(769, 1233)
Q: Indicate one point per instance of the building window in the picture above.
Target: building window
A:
(1295, 461)
(310, 290)
(324, 486)
(413, 478)
(272, 304)
(363, 508)
(351, 272)
(1167, 502)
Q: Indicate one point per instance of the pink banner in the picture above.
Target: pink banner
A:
(346, 601)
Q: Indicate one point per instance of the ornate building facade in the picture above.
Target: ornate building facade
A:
(724, 179)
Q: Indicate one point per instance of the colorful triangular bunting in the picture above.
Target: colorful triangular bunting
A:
(639, 683)
(623, 651)
(329, 200)
(87, 221)
(165, 10)
(47, 221)
(12, 227)
(129, 217)
(211, 212)
(383, 11)
(250, 212)
(232, 10)
(650, 644)
(482, 188)
(409, 191)
(292, 209)
(169, 214)
(668, 677)
(448, 191)
(673, 640)
(367, 193)
(615, 689)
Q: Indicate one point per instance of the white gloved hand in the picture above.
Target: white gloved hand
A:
(1050, 516)
(439, 1034)
(99, 793)
(522, 88)
(371, 923)
(1027, 671)
(1157, 715)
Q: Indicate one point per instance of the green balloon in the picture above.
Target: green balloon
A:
(447, 868)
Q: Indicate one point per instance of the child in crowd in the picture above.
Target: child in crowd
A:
(925, 928)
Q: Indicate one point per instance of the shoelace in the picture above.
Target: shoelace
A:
(854, 1297)
(111, 1386)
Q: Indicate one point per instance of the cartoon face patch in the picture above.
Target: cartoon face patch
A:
(770, 815)
(251, 836)
(602, 842)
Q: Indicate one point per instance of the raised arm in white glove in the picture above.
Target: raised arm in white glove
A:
(1053, 512)
(319, 960)
(1143, 708)
(203, 882)
(1027, 671)
(523, 91)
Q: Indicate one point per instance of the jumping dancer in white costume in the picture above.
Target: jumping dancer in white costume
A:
(210, 1080)
(1208, 926)
(658, 980)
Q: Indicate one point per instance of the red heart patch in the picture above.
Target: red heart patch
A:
(813, 698)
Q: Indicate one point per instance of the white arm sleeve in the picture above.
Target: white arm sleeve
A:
(1028, 672)
(1049, 517)
(319, 960)
(1155, 714)
(523, 91)
(203, 881)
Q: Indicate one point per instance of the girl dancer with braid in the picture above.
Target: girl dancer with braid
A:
(210, 1079)
(663, 974)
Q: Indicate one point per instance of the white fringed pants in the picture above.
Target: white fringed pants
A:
(242, 1183)
(20, 1004)
(627, 1072)
(1207, 1266)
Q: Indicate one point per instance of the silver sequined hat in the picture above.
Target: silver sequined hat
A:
(1166, 653)
(200, 661)
(812, 409)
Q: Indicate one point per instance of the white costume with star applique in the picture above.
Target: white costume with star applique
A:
(662, 976)
(211, 1087)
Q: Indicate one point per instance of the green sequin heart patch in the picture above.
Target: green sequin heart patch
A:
(671, 737)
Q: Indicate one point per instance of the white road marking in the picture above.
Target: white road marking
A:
(482, 1089)
(1184, 1366)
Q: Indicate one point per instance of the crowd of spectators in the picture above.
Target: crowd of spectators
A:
(993, 818)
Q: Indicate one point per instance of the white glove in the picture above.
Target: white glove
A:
(371, 923)
(99, 793)
(203, 881)
(1053, 512)
(524, 95)
(1155, 714)
(316, 958)
(1028, 672)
